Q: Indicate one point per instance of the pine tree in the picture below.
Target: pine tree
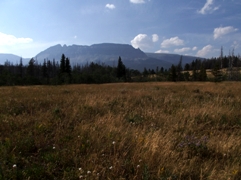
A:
(173, 73)
(217, 73)
(30, 68)
(45, 72)
(121, 70)
(179, 70)
(67, 66)
(44, 69)
(62, 64)
(65, 70)
(21, 68)
(202, 73)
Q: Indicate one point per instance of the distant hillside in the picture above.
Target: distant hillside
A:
(173, 58)
(12, 58)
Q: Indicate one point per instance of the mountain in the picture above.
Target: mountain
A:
(12, 58)
(96, 52)
(173, 58)
(107, 53)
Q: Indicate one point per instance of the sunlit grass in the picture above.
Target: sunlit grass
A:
(121, 131)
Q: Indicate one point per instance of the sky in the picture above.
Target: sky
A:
(187, 27)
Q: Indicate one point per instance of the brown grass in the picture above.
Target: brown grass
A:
(121, 131)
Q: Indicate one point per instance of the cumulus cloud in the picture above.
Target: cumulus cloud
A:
(110, 6)
(155, 37)
(143, 41)
(137, 1)
(194, 48)
(208, 7)
(9, 40)
(162, 51)
(235, 45)
(204, 51)
(182, 50)
(218, 32)
(174, 41)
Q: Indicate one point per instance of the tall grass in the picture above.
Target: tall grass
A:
(121, 131)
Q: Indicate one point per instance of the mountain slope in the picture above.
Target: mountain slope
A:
(173, 58)
(12, 58)
(107, 53)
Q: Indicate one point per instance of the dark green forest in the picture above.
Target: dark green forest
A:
(52, 72)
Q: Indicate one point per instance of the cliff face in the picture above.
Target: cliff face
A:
(104, 52)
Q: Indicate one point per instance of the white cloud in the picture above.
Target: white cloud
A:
(174, 41)
(204, 51)
(182, 50)
(208, 7)
(10, 40)
(194, 48)
(218, 32)
(110, 6)
(137, 1)
(143, 41)
(155, 37)
(235, 45)
(162, 51)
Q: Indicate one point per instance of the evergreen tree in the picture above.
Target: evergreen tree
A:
(32, 72)
(179, 70)
(62, 64)
(194, 74)
(67, 66)
(157, 70)
(217, 73)
(186, 76)
(173, 73)
(30, 68)
(202, 73)
(65, 70)
(20, 66)
(145, 72)
(187, 67)
(162, 70)
(45, 72)
(121, 70)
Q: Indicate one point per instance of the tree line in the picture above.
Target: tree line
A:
(52, 72)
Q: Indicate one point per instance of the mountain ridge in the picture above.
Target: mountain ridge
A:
(12, 58)
(108, 54)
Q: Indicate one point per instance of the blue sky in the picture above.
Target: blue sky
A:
(191, 27)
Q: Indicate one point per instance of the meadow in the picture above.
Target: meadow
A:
(158, 130)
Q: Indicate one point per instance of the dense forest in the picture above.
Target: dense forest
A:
(52, 72)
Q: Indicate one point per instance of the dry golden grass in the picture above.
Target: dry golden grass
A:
(121, 131)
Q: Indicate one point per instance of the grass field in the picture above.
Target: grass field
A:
(121, 131)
